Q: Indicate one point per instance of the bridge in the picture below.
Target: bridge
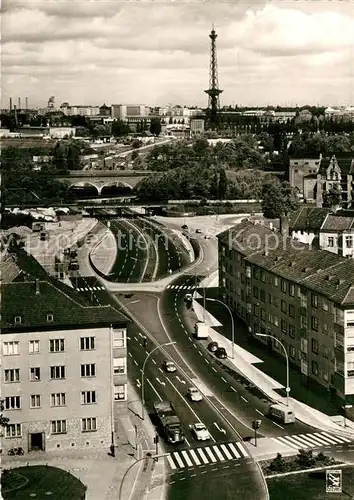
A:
(100, 179)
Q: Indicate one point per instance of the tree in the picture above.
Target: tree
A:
(73, 157)
(135, 155)
(277, 464)
(120, 128)
(4, 421)
(305, 458)
(155, 126)
(278, 199)
(60, 156)
(222, 185)
(333, 197)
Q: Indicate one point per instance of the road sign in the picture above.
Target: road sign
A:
(333, 481)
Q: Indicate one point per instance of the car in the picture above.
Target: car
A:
(193, 394)
(207, 237)
(199, 431)
(213, 346)
(221, 353)
(198, 231)
(185, 227)
(188, 297)
(169, 366)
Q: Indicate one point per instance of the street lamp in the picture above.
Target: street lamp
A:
(142, 375)
(148, 456)
(287, 363)
(232, 325)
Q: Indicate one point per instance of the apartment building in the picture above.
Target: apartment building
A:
(63, 368)
(303, 297)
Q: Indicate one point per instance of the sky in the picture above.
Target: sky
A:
(157, 52)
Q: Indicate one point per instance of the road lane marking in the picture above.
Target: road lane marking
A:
(244, 399)
(280, 427)
(214, 369)
(224, 380)
(242, 449)
(233, 388)
(171, 462)
(186, 458)
(219, 428)
(135, 362)
(325, 439)
(260, 412)
(204, 458)
(210, 453)
(161, 370)
(153, 388)
(130, 354)
(226, 451)
(199, 352)
(194, 456)
(178, 459)
(234, 451)
(152, 359)
(337, 438)
(217, 452)
(162, 383)
(179, 380)
(282, 440)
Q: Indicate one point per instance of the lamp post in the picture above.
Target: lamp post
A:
(232, 325)
(142, 375)
(287, 362)
(148, 456)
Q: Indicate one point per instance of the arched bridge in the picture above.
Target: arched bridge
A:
(103, 178)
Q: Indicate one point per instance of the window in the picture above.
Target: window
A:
(33, 347)
(11, 348)
(284, 326)
(88, 370)
(12, 403)
(255, 292)
(291, 311)
(292, 331)
(303, 322)
(57, 372)
(263, 276)
(283, 286)
(292, 352)
(35, 401)
(292, 289)
(349, 241)
(256, 273)
(284, 307)
(270, 298)
(88, 424)
(256, 310)
(58, 399)
(315, 367)
(88, 397)
(314, 323)
(119, 392)
(50, 317)
(13, 430)
(87, 343)
(314, 346)
(314, 300)
(119, 338)
(324, 305)
(263, 314)
(119, 365)
(35, 374)
(330, 242)
(276, 321)
(275, 281)
(58, 426)
(262, 295)
(56, 345)
(17, 320)
(12, 375)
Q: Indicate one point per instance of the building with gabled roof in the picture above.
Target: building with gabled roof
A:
(304, 297)
(64, 367)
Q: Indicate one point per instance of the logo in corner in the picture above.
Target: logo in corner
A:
(333, 481)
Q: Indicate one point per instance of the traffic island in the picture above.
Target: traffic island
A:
(41, 481)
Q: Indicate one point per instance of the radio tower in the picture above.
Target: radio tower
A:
(213, 91)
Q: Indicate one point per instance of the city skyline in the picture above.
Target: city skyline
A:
(90, 52)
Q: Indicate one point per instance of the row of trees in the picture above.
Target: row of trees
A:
(312, 145)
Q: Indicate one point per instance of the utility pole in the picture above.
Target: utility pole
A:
(213, 91)
(156, 441)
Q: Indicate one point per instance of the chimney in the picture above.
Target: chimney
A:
(284, 226)
(26, 100)
(19, 103)
(10, 104)
(37, 287)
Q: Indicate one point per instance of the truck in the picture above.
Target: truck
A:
(201, 330)
(168, 422)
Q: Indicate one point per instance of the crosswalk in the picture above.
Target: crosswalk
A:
(312, 440)
(90, 288)
(206, 455)
(181, 287)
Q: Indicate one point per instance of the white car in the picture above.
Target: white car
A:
(194, 395)
(169, 366)
(199, 431)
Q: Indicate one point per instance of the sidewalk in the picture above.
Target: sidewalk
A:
(243, 363)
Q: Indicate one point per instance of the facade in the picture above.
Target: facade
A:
(303, 297)
(82, 110)
(197, 126)
(337, 235)
(130, 111)
(63, 369)
(305, 224)
(344, 113)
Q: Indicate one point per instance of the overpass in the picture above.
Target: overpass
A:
(103, 178)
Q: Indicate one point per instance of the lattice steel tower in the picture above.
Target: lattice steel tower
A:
(213, 91)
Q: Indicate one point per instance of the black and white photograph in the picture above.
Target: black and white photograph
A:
(177, 250)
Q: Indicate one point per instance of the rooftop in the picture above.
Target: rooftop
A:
(308, 218)
(338, 223)
(321, 271)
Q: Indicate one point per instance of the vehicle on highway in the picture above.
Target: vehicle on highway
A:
(221, 353)
(185, 227)
(213, 346)
(207, 237)
(169, 366)
(198, 231)
(282, 413)
(199, 431)
(168, 422)
(188, 297)
(193, 394)
(201, 330)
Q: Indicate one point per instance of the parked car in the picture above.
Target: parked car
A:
(169, 366)
(194, 395)
(213, 346)
(221, 353)
(199, 431)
